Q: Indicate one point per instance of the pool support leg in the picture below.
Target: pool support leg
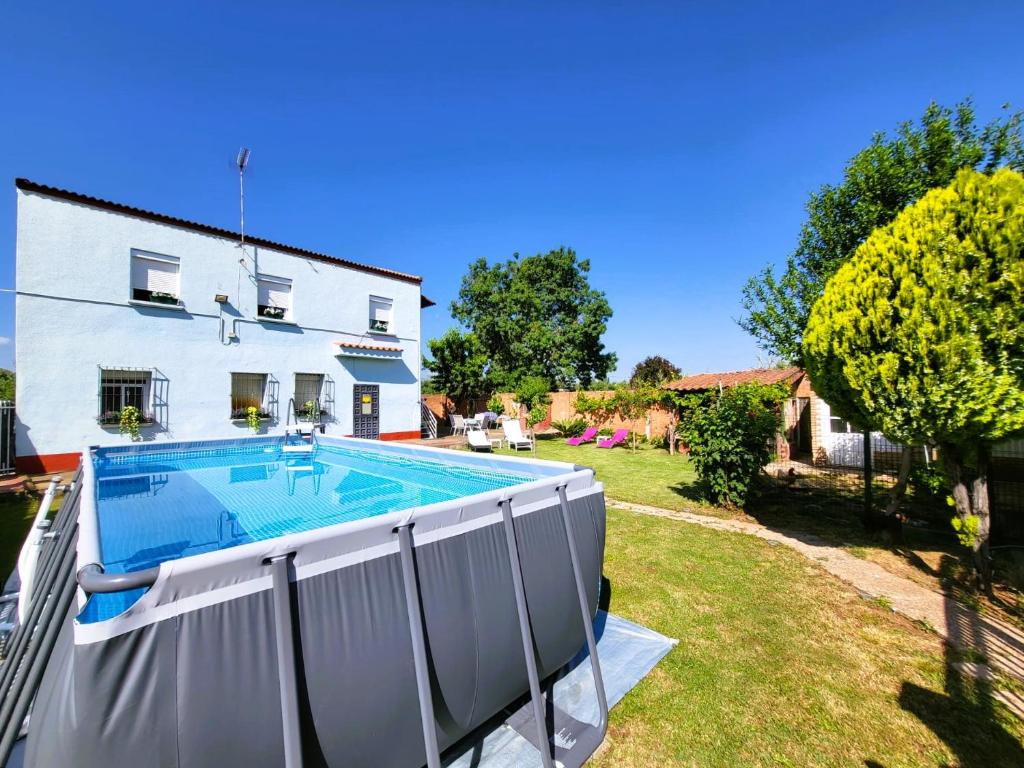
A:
(286, 674)
(588, 624)
(536, 698)
(419, 645)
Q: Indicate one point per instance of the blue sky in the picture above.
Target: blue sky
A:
(672, 144)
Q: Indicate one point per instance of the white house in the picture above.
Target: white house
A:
(118, 306)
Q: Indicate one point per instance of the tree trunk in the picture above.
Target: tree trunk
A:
(896, 494)
(969, 502)
(671, 429)
(869, 480)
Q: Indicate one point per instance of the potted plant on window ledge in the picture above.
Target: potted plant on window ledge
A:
(113, 418)
(159, 297)
(243, 415)
(274, 313)
(379, 326)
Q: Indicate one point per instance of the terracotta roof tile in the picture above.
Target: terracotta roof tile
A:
(367, 347)
(702, 381)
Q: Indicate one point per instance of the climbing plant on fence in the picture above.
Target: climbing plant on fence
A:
(731, 435)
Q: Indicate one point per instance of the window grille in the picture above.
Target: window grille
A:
(247, 391)
(155, 277)
(381, 310)
(309, 388)
(121, 387)
(273, 297)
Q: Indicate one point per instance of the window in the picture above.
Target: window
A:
(841, 426)
(273, 297)
(155, 278)
(309, 395)
(120, 388)
(381, 310)
(247, 391)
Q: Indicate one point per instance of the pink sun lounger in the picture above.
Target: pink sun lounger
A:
(610, 442)
(586, 437)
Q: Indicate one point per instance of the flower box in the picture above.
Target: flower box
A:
(379, 326)
(163, 298)
(274, 313)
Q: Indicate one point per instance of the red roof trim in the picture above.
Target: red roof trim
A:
(31, 186)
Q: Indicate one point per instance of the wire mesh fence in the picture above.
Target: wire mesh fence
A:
(848, 475)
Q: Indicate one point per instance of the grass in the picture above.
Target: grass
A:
(16, 513)
(779, 664)
(929, 556)
(649, 476)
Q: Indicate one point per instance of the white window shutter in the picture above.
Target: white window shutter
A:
(380, 309)
(156, 275)
(273, 293)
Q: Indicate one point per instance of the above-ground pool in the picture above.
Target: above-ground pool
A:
(353, 600)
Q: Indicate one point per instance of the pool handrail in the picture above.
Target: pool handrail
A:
(92, 579)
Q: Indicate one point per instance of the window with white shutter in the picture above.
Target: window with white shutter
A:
(155, 277)
(274, 297)
(381, 311)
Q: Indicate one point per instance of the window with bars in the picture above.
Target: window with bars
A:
(274, 297)
(309, 395)
(248, 390)
(155, 277)
(120, 388)
(381, 311)
(840, 426)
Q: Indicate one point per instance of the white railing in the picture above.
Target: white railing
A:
(6, 436)
(428, 421)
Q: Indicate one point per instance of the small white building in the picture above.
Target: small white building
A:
(117, 306)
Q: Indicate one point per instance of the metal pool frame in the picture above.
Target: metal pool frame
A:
(280, 561)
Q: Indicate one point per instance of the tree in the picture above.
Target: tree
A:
(628, 403)
(459, 365)
(537, 316)
(731, 434)
(878, 182)
(654, 370)
(922, 332)
(532, 395)
(6, 384)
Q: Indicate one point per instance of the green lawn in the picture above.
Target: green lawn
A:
(780, 664)
(649, 476)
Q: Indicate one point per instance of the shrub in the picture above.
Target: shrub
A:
(496, 406)
(570, 427)
(130, 419)
(731, 437)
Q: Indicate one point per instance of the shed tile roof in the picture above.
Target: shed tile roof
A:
(96, 202)
(702, 381)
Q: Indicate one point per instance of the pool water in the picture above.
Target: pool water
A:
(156, 506)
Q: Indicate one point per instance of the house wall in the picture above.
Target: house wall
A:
(73, 315)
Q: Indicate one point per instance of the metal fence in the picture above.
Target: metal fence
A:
(6, 436)
(847, 477)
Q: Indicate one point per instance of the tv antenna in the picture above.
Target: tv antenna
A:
(241, 161)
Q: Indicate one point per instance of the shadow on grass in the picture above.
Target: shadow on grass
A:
(965, 716)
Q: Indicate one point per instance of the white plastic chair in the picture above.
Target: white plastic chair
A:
(514, 436)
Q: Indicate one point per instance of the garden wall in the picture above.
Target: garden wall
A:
(562, 408)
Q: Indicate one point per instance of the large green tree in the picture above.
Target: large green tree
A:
(922, 333)
(459, 365)
(654, 370)
(537, 316)
(878, 182)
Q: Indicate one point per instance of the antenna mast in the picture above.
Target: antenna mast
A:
(241, 161)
